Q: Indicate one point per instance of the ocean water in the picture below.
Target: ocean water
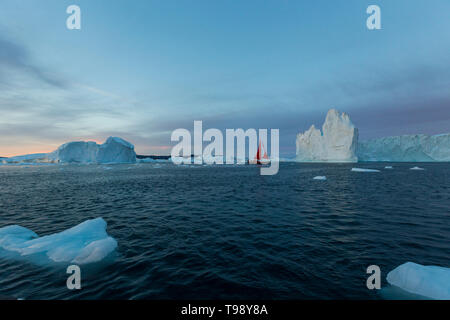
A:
(202, 232)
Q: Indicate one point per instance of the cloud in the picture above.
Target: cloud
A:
(41, 107)
(15, 56)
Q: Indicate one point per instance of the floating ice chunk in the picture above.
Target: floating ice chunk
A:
(428, 281)
(388, 167)
(417, 168)
(320, 178)
(87, 242)
(364, 170)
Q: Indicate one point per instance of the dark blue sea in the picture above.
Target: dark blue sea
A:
(226, 232)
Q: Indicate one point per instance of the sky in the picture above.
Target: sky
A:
(143, 68)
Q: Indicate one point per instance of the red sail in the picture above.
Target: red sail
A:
(259, 152)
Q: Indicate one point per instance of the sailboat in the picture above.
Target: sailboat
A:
(260, 158)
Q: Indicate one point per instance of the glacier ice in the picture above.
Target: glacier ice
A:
(336, 142)
(406, 148)
(364, 170)
(85, 243)
(320, 178)
(428, 281)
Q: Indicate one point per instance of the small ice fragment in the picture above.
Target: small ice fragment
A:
(364, 170)
(428, 281)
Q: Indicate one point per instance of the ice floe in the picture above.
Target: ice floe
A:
(428, 281)
(85, 243)
(364, 170)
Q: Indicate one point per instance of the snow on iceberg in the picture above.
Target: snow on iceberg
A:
(406, 148)
(428, 281)
(322, 178)
(336, 142)
(364, 170)
(85, 243)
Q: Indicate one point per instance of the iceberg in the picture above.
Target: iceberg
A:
(78, 152)
(114, 150)
(336, 142)
(428, 281)
(388, 167)
(364, 170)
(85, 243)
(322, 178)
(417, 168)
(406, 148)
(27, 159)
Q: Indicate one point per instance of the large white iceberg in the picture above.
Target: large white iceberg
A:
(406, 148)
(114, 150)
(336, 142)
(428, 281)
(85, 243)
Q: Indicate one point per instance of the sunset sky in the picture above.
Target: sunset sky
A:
(140, 69)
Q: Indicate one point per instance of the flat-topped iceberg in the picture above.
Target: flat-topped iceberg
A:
(28, 158)
(114, 150)
(336, 142)
(85, 243)
(406, 148)
(428, 281)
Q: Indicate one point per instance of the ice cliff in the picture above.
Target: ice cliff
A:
(336, 142)
(407, 148)
(85, 243)
(114, 150)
